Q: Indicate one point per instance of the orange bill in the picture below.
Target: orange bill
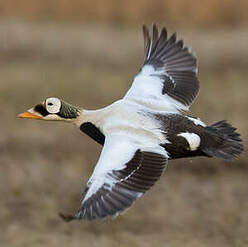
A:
(28, 115)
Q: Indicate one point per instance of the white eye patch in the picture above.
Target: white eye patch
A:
(53, 105)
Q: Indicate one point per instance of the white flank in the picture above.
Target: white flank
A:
(193, 139)
(196, 121)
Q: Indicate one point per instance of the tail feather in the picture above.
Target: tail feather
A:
(227, 142)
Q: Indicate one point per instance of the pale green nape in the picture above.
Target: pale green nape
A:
(68, 111)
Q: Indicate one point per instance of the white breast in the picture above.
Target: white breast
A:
(135, 121)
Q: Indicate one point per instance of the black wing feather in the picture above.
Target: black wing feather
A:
(177, 62)
(140, 173)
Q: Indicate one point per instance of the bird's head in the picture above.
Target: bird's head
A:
(52, 109)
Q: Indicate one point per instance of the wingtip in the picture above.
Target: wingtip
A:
(173, 37)
(154, 26)
(145, 31)
(67, 217)
(163, 33)
(154, 32)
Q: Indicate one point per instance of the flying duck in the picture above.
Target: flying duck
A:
(142, 131)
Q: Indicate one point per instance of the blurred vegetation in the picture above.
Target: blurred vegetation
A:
(72, 50)
(200, 14)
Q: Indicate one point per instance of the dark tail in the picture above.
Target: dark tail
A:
(224, 141)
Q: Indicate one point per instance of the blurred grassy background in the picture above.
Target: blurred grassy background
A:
(87, 52)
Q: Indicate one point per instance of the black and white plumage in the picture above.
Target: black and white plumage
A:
(145, 129)
(168, 77)
(122, 187)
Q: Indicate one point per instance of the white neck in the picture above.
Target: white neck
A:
(92, 116)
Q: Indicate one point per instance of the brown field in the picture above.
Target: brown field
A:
(205, 13)
(43, 166)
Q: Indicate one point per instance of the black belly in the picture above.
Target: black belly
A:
(175, 124)
(178, 151)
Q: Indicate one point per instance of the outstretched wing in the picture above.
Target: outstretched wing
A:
(168, 79)
(123, 173)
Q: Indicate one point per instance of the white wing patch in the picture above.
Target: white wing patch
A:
(147, 90)
(193, 139)
(145, 84)
(168, 79)
(124, 172)
(117, 151)
(196, 121)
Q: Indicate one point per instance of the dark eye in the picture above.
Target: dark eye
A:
(50, 104)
